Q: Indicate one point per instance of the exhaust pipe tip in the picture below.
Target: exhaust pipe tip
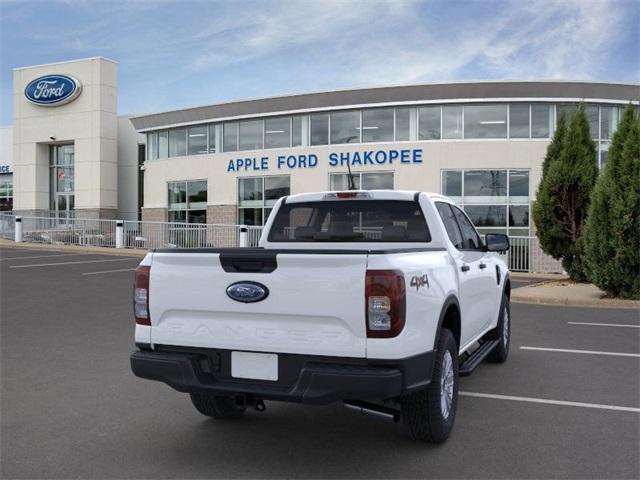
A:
(367, 409)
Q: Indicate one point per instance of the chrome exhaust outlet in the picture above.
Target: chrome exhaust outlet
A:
(373, 410)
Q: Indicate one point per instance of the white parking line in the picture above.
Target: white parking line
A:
(110, 271)
(605, 324)
(589, 352)
(76, 263)
(41, 256)
(550, 402)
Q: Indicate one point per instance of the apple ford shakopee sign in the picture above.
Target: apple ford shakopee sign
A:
(53, 90)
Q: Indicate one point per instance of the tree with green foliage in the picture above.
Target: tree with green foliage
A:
(550, 235)
(569, 174)
(612, 232)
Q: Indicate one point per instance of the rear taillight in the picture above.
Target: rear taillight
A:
(141, 295)
(386, 301)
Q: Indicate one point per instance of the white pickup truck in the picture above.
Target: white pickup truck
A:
(379, 299)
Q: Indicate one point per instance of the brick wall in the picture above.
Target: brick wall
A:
(154, 214)
(223, 214)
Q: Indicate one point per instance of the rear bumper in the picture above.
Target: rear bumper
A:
(302, 378)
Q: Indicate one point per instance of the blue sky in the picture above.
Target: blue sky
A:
(179, 54)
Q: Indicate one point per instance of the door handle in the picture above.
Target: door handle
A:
(465, 268)
(482, 266)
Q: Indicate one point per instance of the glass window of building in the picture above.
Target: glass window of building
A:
(275, 188)
(61, 179)
(452, 121)
(541, 120)
(519, 216)
(568, 109)
(483, 196)
(277, 132)
(230, 137)
(187, 201)
(377, 181)
(152, 146)
(604, 152)
(377, 125)
(178, 142)
(212, 138)
(296, 131)
(485, 216)
(251, 135)
(364, 180)
(519, 120)
(163, 144)
(592, 113)
(608, 121)
(197, 140)
(6, 192)
(429, 123)
(345, 127)
(485, 121)
(485, 186)
(519, 186)
(257, 195)
(452, 184)
(403, 124)
(340, 181)
(320, 129)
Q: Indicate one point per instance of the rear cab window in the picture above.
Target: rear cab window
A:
(385, 221)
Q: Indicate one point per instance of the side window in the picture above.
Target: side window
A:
(450, 224)
(471, 238)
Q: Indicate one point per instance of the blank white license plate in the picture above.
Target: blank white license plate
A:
(256, 366)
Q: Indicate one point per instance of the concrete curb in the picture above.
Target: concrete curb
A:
(123, 252)
(535, 294)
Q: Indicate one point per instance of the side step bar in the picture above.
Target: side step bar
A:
(477, 357)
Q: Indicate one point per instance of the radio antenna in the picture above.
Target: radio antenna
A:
(352, 183)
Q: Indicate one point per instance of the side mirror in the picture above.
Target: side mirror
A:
(497, 242)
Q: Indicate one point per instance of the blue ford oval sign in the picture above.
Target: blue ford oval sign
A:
(53, 90)
(247, 292)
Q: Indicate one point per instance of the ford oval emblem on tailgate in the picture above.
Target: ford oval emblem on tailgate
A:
(247, 292)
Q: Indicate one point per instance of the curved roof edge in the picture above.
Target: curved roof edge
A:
(392, 94)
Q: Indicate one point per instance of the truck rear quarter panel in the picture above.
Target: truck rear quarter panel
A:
(424, 301)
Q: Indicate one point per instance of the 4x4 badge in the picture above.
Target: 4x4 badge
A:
(419, 281)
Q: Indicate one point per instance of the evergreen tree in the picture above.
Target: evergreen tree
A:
(549, 233)
(564, 194)
(612, 233)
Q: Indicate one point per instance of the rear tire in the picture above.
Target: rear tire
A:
(215, 406)
(430, 413)
(503, 333)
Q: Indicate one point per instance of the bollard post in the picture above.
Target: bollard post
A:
(18, 230)
(119, 234)
(244, 236)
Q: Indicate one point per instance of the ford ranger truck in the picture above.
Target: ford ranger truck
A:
(378, 299)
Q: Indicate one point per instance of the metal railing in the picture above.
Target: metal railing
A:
(149, 235)
(525, 254)
(69, 231)
(7, 226)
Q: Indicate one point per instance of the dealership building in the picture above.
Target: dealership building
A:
(481, 143)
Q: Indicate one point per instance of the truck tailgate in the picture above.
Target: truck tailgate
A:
(315, 304)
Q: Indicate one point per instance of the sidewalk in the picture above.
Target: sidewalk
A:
(565, 292)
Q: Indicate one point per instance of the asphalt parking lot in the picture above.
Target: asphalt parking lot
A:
(565, 405)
